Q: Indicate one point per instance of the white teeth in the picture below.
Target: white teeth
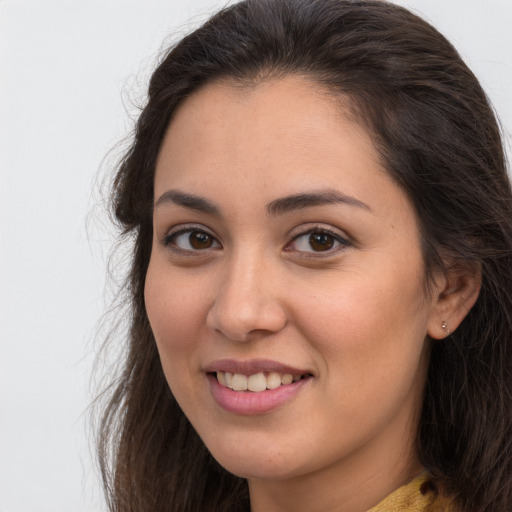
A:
(273, 380)
(221, 377)
(256, 382)
(287, 378)
(239, 382)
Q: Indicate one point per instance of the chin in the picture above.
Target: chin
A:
(269, 464)
(252, 470)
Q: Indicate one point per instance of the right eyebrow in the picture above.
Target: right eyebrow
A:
(310, 199)
(190, 201)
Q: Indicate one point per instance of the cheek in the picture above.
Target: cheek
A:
(368, 325)
(176, 315)
(175, 308)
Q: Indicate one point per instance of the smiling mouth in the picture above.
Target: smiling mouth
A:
(257, 382)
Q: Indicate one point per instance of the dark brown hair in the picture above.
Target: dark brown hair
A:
(438, 138)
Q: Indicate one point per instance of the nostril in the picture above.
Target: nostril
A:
(246, 306)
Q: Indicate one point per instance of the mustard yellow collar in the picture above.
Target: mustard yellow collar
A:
(408, 498)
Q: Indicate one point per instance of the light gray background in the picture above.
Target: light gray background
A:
(69, 73)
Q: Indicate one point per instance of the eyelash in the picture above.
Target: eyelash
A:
(320, 230)
(170, 239)
(339, 242)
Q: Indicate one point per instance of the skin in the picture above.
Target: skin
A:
(355, 316)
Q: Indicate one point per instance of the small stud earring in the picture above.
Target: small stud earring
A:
(444, 326)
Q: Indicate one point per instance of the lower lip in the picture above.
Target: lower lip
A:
(250, 403)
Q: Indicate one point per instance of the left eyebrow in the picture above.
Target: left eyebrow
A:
(190, 201)
(309, 199)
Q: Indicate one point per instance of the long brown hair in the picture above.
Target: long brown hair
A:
(438, 138)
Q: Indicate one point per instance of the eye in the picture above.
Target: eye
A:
(319, 240)
(192, 240)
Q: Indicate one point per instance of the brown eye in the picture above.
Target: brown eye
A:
(318, 241)
(192, 240)
(200, 240)
(321, 241)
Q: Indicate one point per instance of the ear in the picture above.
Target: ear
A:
(455, 293)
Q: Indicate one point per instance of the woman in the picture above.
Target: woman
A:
(321, 275)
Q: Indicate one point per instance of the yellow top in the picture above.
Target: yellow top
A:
(413, 497)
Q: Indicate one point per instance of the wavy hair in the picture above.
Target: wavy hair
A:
(438, 138)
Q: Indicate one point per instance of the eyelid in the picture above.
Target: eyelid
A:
(181, 229)
(343, 240)
(341, 237)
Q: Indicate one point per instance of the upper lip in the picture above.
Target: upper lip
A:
(252, 366)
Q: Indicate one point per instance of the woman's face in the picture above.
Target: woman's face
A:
(286, 260)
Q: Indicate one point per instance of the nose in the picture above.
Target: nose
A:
(247, 304)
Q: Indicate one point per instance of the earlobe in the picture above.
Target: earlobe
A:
(456, 292)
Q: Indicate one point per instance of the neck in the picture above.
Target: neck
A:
(356, 484)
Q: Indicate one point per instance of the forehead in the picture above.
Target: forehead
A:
(290, 121)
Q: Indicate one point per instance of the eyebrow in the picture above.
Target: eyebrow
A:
(190, 201)
(276, 207)
(307, 200)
